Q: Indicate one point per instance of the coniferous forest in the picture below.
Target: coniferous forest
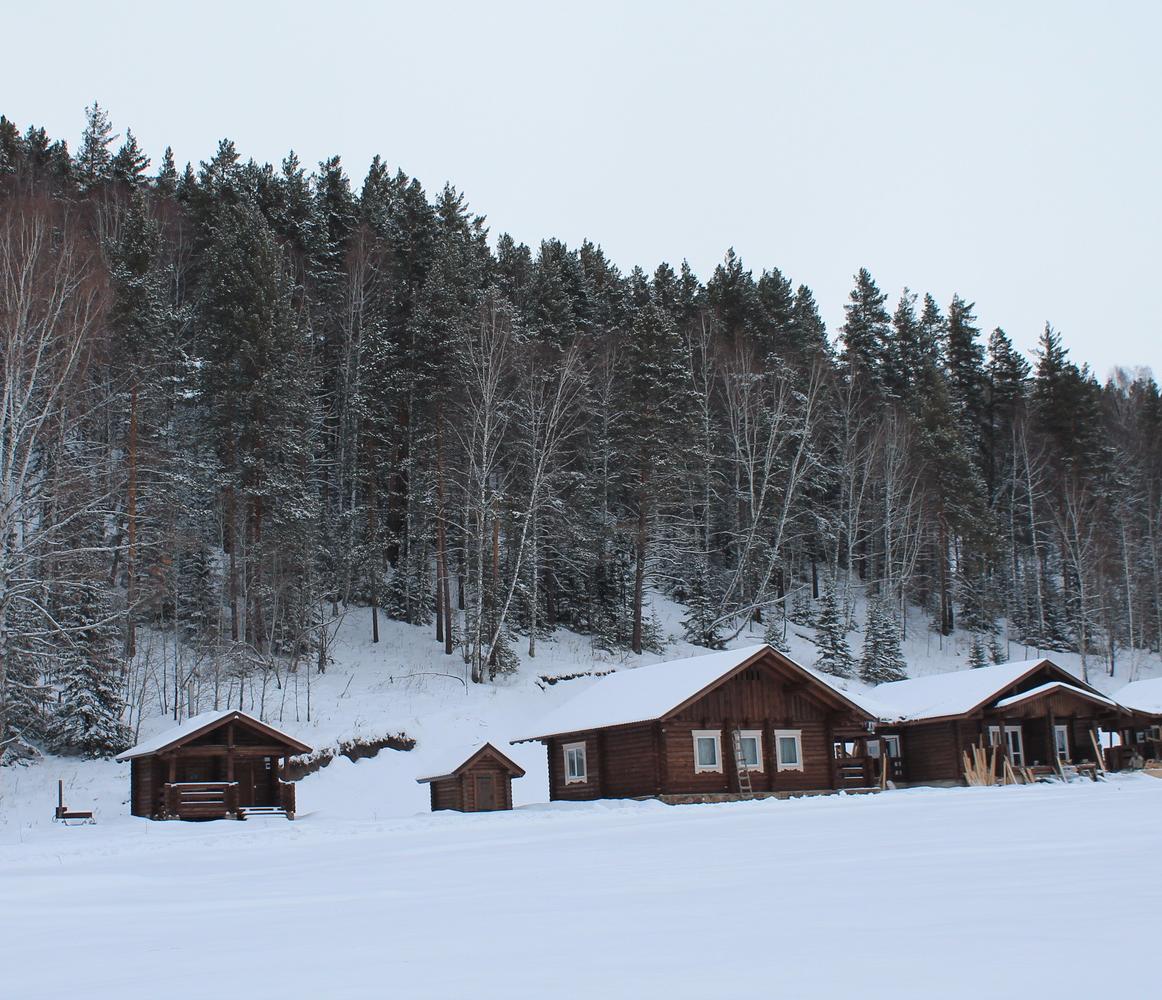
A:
(239, 398)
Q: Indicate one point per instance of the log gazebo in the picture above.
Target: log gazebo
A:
(213, 766)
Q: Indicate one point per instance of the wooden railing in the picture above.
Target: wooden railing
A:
(853, 772)
(201, 799)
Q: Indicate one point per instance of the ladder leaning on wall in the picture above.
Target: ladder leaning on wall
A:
(741, 768)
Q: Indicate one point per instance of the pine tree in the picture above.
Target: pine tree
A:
(88, 722)
(700, 624)
(129, 163)
(830, 635)
(775, 633)
(881, 660)
(866, 334)
(977, 654)
(94, 161)
(167, 174)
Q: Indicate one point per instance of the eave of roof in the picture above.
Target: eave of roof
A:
(191, 729)
(1045, 689)
(512, 766)
(741, 661)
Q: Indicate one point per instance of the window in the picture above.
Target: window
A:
(873, 748)
(892, 746)
(1061, 742)
(789, 749)
(751, 742)
(994, 735)
(576, 771)
(707, 751)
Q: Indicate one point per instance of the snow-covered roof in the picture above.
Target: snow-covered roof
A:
(939, 696)
(451, 761)
(191, 727)
(1045, 688)
(644, 694)
(1142, 696)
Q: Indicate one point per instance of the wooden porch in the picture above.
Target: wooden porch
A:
(220, 800)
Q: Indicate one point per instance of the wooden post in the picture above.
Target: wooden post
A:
(173, 768)
(230, 752)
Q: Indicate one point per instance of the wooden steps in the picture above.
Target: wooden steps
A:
(246, 812)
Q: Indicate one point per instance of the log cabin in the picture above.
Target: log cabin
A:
(687, 730)
(481, 781)
(1038, 714)
(213, 766)
(1140, 738)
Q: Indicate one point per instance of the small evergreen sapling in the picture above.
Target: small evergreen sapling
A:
(831, 637)
(977, 655)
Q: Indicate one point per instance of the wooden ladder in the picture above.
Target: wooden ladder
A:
(741, 768)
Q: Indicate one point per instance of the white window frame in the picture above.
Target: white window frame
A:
(583, 778)
(788, 734)
(757, 736)
(708, 734)
(1061, 730)
(888, 741)
(993, 735)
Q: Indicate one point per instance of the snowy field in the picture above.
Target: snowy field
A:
(1009, 892)
(1046, 891)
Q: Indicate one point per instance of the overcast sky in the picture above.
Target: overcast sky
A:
(1005, 151)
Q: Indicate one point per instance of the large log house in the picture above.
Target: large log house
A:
(668, 731)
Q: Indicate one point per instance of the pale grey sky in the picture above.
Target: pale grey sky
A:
(1005, 151)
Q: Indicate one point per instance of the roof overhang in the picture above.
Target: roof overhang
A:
(823, 690)
(488, 749)
(237, 716)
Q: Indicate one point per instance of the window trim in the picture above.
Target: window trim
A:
(583, 778)
(790, 734)
(707, 734)
(894, 738)
(757, 736)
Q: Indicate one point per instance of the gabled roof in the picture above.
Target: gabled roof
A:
(962, 692)
(1142, 696)
(460, 762)
(648, 694)
(196, 725)
(1043, 689)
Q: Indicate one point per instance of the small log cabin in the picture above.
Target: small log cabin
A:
(669, 731)
(213, 766)
(1040, 715)
(482, 782)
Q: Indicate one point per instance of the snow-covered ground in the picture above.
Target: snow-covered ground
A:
(962, 893)
(921, 893)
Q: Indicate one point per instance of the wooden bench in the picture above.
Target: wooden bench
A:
(62, 814)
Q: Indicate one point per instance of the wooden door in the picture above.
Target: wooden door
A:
(485, 793)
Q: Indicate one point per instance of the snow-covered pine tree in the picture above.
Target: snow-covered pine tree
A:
(700, 626)
(996, 650)
(830, 636)
(775, 634)
(977, 655)
(88, 721)
(881, 660)
(802, 611)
